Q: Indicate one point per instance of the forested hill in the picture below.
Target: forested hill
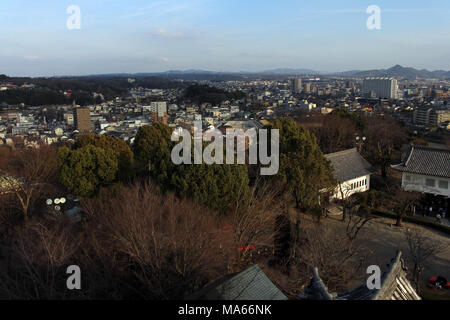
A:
(51, 90)
(204, 93)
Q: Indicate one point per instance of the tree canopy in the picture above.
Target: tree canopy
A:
(205, 93)
(119, 147)
(304, 171)
(215, 186)
(84, 170)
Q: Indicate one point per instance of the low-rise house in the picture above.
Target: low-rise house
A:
(351, 171)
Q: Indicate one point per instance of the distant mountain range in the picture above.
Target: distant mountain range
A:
(288, 71)
(396, 71)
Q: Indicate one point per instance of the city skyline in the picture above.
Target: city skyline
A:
(156, 36)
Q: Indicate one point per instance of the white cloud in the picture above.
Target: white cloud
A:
(32, 58)
(166, 34)
(145, 10)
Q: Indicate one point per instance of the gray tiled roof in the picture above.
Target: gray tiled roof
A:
(348, 165)
(394, 286)
(427, 161)
(250, 284)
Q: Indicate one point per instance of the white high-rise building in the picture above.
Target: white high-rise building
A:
(380, 88)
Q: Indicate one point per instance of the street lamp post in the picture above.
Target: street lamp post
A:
(359, 142)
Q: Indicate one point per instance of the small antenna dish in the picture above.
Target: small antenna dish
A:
(57, 201)
(62, 200)
(57, 208)
(49, 202)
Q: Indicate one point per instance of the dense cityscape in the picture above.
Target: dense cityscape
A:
(135, 172)
(421, 104)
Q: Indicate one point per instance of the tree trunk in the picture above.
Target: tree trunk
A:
(296, 236)
(398, 223)
(418, 272)
(383, 171)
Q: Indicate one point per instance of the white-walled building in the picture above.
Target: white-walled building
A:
(351, 171)
(426, 170)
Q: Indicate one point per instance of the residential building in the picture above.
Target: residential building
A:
(386, 88)
(82, 119)
(297, 85)
(429, 116)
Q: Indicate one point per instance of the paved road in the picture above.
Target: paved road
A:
(381, 240)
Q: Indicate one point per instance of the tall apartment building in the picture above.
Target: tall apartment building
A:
(159, 107)
(159, 111)
(307, 87)
(82, 119)
(386, 88)
(296, 85)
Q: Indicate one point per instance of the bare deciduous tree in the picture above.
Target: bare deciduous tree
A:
(27, 174)
(356, 222)
(421, 248)
(168, 244)
(336, 256)
(254, 223)
(37, 259)
(405, 201)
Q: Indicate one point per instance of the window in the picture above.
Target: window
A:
(407, 177)
(366, 182)
(443, 184)
(429, 182)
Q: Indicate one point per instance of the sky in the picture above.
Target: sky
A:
(220, 35)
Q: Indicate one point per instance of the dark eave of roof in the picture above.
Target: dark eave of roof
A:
(427, 161)
(394, 286)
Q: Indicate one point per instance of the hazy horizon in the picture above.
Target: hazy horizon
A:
(222, 36)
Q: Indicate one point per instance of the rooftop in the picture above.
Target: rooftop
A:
(427, 161)
(250, 284)
(348, 165)
(394, 286)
